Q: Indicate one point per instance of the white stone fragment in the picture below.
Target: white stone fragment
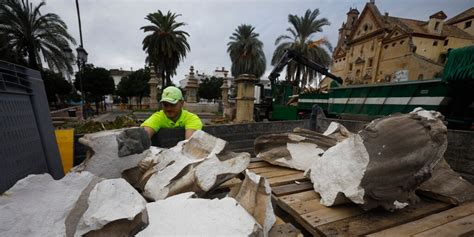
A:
(305, 154)
(40, 206)
(337, 131)
(181, 215)
(213, 171)
(428, 114)
(104, 160)
(197, 164)
(254, 194)
(110, 200)
(169, 166)
(399, 205)
(349, 158)
(332, 128)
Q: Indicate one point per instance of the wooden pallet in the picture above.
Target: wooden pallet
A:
(294, 194)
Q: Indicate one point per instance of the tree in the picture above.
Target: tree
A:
(96, 82)
(301, 39)
(125, 89)
(35, 36)
(135, 84)
(7, 53)
(56, 86)
(166, 45)
(210, 88)
(246, 52)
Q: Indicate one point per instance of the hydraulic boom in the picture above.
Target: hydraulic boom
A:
(290, 55)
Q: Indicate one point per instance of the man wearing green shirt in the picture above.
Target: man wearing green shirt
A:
(172, 115)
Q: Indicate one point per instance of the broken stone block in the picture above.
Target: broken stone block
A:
(80, 204)
(295, 150)
(40, 206)
(384, 163)
(115, 204)
(447, 186)
(183, 215)
(103, 157)
(174, 173)
(135, 174)
(218, 168)
(197, 164)
(337, 131)
(254, 194)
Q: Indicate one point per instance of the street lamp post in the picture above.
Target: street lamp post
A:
(81, 59)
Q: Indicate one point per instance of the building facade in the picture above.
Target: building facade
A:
(118, 74)
(375, 48)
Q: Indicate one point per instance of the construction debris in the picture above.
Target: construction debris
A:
(197, 164)
(337, 131)
(447, 186)
(296, 150)
(116, 204)
(254, 194)
(384, 163)
(78, 204)
(25, 206)
(103, 157)
(184, 215)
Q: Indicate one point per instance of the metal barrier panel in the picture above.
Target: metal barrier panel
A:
(27, 142)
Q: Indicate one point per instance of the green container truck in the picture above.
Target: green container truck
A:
(452, 95)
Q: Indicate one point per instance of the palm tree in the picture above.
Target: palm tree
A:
(246, 52)
(166, 45)
(301, 39)
(34, 36)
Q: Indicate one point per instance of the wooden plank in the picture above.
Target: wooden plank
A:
(258, 164)
(460, 227)
(284, 230)
(279, 173)
(379, 219)
(324, 215)
(285, 201)
(299, 197)
(266, 169)
(287, 179)
(306, 207)
(428, 222)
(291, 188)
(278, 221)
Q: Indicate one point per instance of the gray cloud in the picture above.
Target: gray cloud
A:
(112, 36)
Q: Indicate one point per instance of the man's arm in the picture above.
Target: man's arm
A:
(150, 131)
(188, 133)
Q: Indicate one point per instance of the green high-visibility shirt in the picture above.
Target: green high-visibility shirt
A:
(186, 120)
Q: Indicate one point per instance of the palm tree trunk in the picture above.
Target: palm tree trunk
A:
(168, 80)
(163, 79)
(32, 63)
(97, 106)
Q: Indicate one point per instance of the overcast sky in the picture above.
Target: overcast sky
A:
(113, 39)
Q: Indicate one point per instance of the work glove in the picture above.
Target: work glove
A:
(132, 141)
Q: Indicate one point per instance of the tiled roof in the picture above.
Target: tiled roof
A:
(416, 26)
(463, 15)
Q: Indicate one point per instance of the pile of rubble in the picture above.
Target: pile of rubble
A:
(125, 187)
(382, 165)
